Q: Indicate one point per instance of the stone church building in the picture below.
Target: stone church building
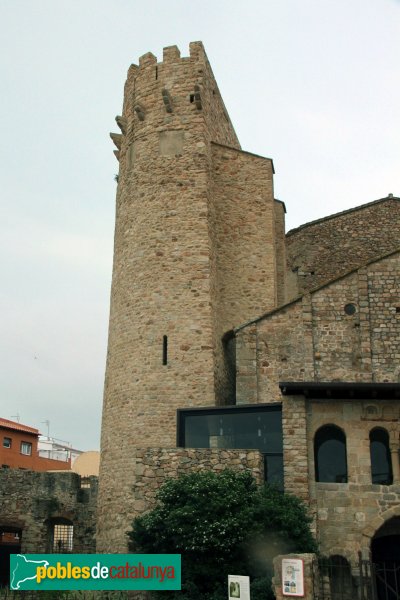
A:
(231, 342)
(235, 344)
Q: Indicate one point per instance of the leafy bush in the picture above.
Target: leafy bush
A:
(222, 524)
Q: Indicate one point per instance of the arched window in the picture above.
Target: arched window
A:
(381, 461)
(330, 455)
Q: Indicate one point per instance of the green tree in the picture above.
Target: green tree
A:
(222, 524)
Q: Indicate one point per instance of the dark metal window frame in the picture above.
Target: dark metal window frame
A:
(181, 413)
(219, 410)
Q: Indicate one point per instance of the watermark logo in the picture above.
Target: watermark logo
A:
(95, 572)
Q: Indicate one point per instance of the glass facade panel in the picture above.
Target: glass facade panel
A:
(258, 427)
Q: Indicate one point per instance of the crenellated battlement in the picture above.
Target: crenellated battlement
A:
(178, 93)
(172, 54)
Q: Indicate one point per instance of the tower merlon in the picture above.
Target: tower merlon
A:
(147, 59)
(171, 54)
(197, 51)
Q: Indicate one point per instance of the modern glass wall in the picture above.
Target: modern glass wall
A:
(249, 427)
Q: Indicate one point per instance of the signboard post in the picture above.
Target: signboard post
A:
(238, 587)
(293, 577)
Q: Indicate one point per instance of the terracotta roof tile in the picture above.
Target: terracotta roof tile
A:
(18, 426)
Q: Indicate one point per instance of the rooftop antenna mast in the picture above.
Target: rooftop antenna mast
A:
(17, 416)
(47, 423)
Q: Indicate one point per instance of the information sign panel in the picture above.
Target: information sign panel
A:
(293, 577)
(238, 587)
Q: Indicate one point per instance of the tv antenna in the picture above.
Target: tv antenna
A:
(47, 423)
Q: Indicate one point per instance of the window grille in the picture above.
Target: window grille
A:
(62, 538)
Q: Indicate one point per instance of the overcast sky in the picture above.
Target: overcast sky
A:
(313, 84)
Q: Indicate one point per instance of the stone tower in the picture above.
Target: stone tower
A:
(198, 250)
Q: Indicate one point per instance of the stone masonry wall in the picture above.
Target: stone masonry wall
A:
(348, 330)
(164, 347)
(315, 339)
(244, 240)
(273, 349)
(244, 235)
(360, 506)
(154, 465)
(329, 247)
(382, 288)
(295, 459)
(280, 253)
(28, 499)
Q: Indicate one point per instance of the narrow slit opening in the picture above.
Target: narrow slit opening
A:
(165, 350)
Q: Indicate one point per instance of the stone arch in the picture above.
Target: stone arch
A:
(346, 554)
(322, 421)
(373, 526)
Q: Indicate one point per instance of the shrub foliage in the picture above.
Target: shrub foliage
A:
(222, 524)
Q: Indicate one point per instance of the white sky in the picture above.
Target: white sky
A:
(313, 84)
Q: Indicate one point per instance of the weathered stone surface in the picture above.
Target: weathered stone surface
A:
(197, 310)
(194, 224)
(182, 461)
(314, 339)
(329, 247)
(28, 499)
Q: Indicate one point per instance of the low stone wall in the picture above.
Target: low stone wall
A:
(155, 465)
(29, 499)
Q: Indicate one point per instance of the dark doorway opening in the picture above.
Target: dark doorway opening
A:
(385, 550)
(10, 543)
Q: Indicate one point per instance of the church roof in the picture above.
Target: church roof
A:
(339, 214)
(316, 289)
